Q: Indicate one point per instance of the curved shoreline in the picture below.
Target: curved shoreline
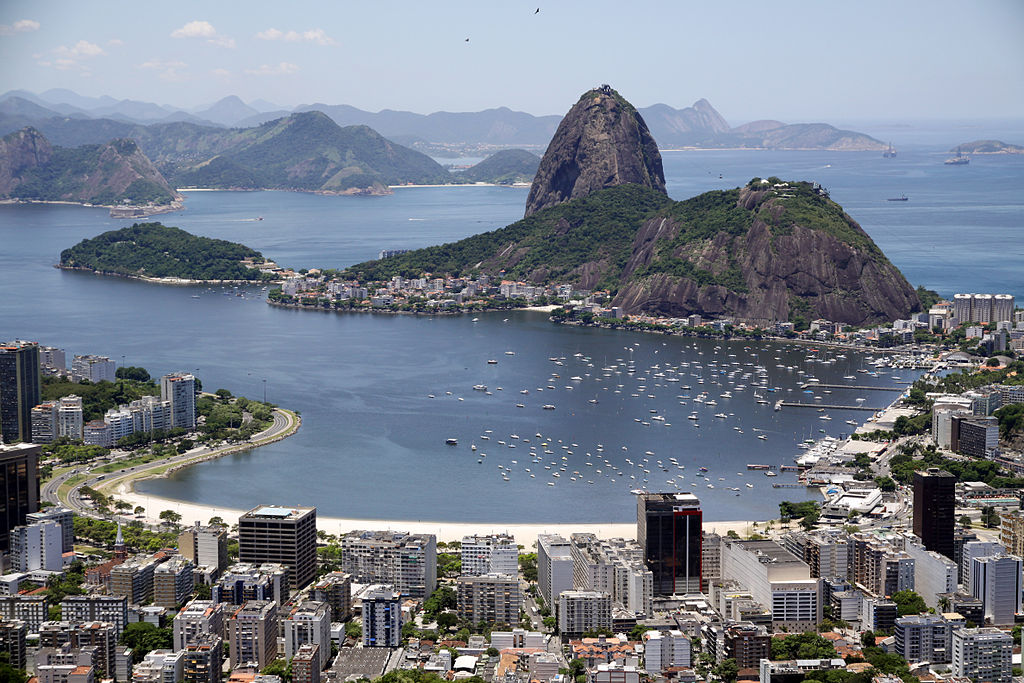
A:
(175, 281)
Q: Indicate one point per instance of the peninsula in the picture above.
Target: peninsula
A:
(158, 253)
(988, 147)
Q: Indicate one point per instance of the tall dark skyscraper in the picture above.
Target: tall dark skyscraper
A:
(934, 510)
(19, 488)
(20, 389)
(286, 535)
(668, 529)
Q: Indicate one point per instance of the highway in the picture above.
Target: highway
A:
(283, 422)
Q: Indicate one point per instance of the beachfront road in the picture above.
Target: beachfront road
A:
(284, 422)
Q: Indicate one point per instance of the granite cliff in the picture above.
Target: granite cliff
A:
(601, 142)
(116, 172)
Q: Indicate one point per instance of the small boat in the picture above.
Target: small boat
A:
(195, 296)
(762, 436)
(548, 407)
(510, 353)
(901, 198)
(452, 442)
(479, 387)
(958, 160)
(491, 361)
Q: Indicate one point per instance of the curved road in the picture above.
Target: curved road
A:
(284, 421)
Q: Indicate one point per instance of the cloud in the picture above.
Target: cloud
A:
(273, 69)
(170, 71)
(20, 26)
(313, 35)
(221, 73)
(65, 58)
(203, 29)
(115, 42)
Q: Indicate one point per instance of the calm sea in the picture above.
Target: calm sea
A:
(373, 442)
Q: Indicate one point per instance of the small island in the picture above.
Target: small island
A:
(988, 147)
(159, 253)
(507, 167)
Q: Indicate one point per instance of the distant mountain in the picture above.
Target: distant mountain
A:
(506, 167)
(309, 151)
(113, 173)
(988, 147)
(227, 112)
(16, 106)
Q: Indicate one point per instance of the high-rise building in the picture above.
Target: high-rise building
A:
(669, 533)
(747, 643)
(93, 368)
(776, 579)
(195, 620)
(32, 609)
(52, 359)
(242, 582)
(180, 389)
(44, 422)
(934, 508)
(996, 581)
(37, 546)
(494, 554)
(977, 437)
(1011, 531)
(206, 546)
(19, 487)
(204, 659)
(286, 535)
(20, 389)
(582, 611)
(489, 598)
(252, 634)
(924, 638)
(972, 549)
(406, 562)
(69, 417)
(108, 608)
(382, 617)
(12, 641)
(309, 623)
(616, 567)
(554, 567)
(306, 664)
(173, 582)
(336, 590)
(133, 578)
(62, 516)
(666, 649)
(983, 654)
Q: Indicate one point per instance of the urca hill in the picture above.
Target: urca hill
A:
(769, 251)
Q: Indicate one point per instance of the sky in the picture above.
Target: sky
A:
(794, 60)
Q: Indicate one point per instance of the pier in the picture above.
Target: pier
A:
(811, 385)
(795, 404)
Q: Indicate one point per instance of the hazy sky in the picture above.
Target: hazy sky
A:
(805, 60)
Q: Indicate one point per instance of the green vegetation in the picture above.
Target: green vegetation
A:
(913, 457)
(144, 637)
(528, 565)
(90, 173)
(102, 533)
(505, 168)
(418, 676)
(308, 151)
(595, 235)
(909, 602)
(8, 674)
(100, 397)
(928, 297)
(1011, 419)
(155, 250)
(807, 645)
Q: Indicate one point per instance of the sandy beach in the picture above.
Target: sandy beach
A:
(525, 534)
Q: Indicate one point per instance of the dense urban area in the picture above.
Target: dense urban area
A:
(909, 568)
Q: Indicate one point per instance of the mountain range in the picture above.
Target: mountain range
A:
(698, 126)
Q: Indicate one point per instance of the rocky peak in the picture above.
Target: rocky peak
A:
(21, 151)
(601, 142)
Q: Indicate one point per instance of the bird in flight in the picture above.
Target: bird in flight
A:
(467, 40)
(538, 11)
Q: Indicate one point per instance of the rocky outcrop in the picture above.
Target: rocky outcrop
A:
(776, 269)
(601, 142)
(113, 173)
(20, 152)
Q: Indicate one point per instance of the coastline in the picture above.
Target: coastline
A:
(177, 281)
(147, 210)
(525, 533)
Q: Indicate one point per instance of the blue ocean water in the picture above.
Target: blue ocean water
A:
(372, 444)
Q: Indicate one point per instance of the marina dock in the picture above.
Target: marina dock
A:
(812, 385)
(795, 404)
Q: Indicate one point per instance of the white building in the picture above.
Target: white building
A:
(494, 554)
(582, 611)
(151, 413)
(160, 666)
(121, 423)
(97, 433)
(309, 623)
(382, 617)
(195, 620)
(180, 389)
(518, 638)
(69, 417)
(664, 649)
(996, 581)
(554, 567)
(616, 567)
(39, 545)
(406, 562)
(777, 579)
(971, 550)
(93, 368)
(924, 638)
(44, 422)
(52, 358)
(983, 654)
(934, 573)
(65, 518)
